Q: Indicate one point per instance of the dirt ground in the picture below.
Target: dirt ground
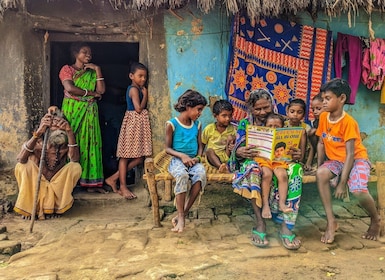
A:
(107, 237)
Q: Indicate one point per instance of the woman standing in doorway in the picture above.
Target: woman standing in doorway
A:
(83, 84)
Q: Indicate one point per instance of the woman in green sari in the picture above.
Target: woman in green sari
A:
(83, 85)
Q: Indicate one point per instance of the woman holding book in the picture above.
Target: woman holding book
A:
(248, 176)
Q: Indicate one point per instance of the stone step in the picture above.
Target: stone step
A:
(9, 247)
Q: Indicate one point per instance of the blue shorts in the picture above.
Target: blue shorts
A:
(183, 174)
(359, 175)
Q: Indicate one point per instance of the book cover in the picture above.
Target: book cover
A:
(274, 143)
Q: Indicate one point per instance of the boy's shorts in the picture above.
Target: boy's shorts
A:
(358, 177)
(263, 162)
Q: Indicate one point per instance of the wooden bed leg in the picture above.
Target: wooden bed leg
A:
(380, 171)
(151, 183)
(167, 190)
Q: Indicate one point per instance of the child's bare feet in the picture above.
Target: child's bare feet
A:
(328, 236)
(112, 184)
(223, 168)
(285, 209)
(266, 212)
(374, 230)
(179, 226)
(126, 193)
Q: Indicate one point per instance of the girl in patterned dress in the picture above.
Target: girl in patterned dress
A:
(134, 142)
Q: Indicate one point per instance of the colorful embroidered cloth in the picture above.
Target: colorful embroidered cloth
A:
(289, 59)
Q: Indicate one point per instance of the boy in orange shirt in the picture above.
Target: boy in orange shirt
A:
(347, 159)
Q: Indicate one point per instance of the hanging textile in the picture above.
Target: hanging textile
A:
(289, 59)
(353, 46)
(373, 62)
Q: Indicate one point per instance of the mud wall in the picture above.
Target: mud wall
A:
(20, 87)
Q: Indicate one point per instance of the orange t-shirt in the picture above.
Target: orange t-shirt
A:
(335, 136)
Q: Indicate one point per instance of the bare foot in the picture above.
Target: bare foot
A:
(328, 236)
(285, 209)
(112, 184)
(174, 221)
(266, 212)
(223, 168)
(373, 231)
(96, 190)
(126, 193)
(179, 226)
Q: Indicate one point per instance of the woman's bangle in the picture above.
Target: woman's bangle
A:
(85, 93)
(199, 158)
(72, 145)
(27, 149)
(34, 135)
(100, 79)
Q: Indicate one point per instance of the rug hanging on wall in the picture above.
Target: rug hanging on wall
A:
(288, 59)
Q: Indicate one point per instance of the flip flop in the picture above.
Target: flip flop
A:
(261, 236)
(290, 238)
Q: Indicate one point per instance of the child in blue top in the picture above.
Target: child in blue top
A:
(183, 142)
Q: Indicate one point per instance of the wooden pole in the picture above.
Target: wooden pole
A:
(151, 183)
(380, 172)
(36, 198)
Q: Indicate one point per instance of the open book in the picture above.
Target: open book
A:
(274, 143)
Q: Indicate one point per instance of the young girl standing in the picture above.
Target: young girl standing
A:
(135, 133)
(183, 142)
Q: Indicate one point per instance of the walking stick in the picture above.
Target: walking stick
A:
(42, 159)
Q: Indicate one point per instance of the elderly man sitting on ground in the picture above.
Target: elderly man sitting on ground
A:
(59, 173)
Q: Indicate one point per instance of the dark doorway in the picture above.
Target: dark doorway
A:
(114, 60)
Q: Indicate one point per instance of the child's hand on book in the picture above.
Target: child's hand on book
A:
(295, 153)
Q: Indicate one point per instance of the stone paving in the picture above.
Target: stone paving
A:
(105, 237)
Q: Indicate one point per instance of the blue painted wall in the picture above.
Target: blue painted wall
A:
(197, 53)
(197, 46)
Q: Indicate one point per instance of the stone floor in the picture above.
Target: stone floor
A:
(106, 237)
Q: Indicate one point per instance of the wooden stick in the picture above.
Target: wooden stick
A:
(42, 159)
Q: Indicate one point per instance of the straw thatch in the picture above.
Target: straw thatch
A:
(255, 8)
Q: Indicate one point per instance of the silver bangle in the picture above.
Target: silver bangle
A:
(27, 149)
(72, 145)
(100, 79)
(85, 93)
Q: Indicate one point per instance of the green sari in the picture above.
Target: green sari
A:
(83, 116)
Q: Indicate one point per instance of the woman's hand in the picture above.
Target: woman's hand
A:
(247, 152)
(91, 66)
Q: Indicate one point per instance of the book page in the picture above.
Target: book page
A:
(262, 138)
(286, 138)
(274, 144)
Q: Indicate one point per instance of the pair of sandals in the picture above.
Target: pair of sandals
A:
(287, 240)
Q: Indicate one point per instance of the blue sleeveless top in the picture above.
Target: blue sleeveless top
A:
(130, 105)
(185, 138)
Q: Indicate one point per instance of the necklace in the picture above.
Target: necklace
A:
(332, 123)
(52, 165)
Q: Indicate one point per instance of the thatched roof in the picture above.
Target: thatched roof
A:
(255, 8)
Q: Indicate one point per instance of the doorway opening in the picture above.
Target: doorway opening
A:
(114, 59)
